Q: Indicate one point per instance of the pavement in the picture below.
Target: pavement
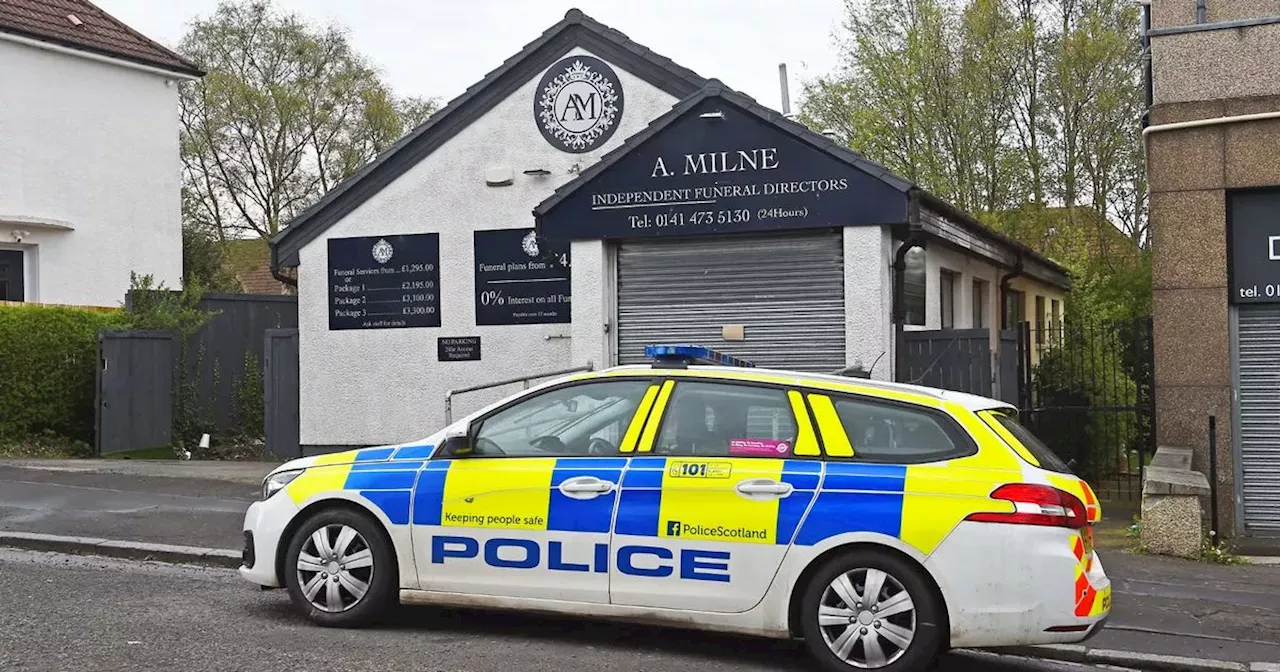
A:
(1208, 614)
(63, 612)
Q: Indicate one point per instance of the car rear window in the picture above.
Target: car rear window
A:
(1043, 454)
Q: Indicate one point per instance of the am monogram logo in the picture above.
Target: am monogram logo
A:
(579, 104)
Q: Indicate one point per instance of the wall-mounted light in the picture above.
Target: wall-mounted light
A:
(717, 115)
(537, 172)
(499, 176)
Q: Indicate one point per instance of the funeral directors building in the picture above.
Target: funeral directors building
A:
(590, 197)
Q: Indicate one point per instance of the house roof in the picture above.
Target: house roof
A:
(575, 30)
(578, 29)
(98, 32)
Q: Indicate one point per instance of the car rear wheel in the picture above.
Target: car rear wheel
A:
(340, 569)
(871, 610)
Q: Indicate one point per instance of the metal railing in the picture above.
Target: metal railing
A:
(448, 397)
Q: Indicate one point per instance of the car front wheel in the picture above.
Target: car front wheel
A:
(871, 610)
(340, 569)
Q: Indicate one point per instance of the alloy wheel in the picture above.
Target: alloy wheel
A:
(335, 568)
(867, 618)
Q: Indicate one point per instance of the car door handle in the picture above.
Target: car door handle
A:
(764, 487)
(585, 487)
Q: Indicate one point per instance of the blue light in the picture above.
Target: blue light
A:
(691, 354)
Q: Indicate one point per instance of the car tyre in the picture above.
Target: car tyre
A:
(900, 631)
(365, 584)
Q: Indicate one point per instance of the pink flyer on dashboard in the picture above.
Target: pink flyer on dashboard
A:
(768, 447)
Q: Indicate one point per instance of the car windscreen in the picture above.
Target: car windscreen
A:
(1043, 454)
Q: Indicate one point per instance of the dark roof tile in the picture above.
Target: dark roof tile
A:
(98, 32)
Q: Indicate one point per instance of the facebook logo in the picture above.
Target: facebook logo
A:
(673, 528)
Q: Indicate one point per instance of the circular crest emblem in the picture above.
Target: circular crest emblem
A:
(783, 447)
(382, 251)
(579, 104)
(530, 244)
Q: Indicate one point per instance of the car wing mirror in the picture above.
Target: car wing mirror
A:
(456, 445)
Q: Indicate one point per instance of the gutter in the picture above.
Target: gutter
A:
(92, 56)
(1214, 121)
(275, 269)
(1004, 290)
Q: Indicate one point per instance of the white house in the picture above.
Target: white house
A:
(90, 175)
(668, 206)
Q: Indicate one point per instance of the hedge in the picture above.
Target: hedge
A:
(48, 358)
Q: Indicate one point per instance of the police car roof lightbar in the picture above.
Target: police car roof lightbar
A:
(681, 356)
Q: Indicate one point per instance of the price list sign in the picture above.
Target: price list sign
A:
(384, 282)
(518, 283)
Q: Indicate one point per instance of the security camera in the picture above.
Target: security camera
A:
(19, 235)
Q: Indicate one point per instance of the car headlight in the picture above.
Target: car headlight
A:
(276, 482)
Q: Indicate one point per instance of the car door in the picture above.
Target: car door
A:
(523, 507)
(710, 503)
(897, 469)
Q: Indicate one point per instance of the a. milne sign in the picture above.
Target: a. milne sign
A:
(1253, 229)
(731, 172)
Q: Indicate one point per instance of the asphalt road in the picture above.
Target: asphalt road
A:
(61, 612)
(183, 511)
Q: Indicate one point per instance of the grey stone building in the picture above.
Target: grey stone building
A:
(1212, 137)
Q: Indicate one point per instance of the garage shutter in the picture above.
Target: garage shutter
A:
(1259, 350)
(787, 291)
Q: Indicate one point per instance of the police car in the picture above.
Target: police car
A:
(882, 523)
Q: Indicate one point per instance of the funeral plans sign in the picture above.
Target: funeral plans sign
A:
(1253, 227)
(722, 169)
(384, 282)
(517, 282)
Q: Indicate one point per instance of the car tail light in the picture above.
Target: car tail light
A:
(1037, 505)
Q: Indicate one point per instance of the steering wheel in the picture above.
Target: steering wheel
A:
(488, 447)
(551, 444)
(598, 446)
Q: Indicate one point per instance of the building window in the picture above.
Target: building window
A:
(947, 282)
(1014, 308)
(914, 286)
(11, 271)
(980, 304)
(1055, 318)
(1040, 325)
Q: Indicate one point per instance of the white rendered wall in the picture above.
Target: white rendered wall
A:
(89, 168)
(369, 386)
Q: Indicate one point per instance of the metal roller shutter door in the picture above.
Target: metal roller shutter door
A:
(1259, 371)
(787, 291)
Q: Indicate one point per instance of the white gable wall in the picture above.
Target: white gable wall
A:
(92, 146)
(367, 386)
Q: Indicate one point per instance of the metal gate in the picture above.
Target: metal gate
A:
(787, 293)
(135, 390)
(1088, 391)
(1258, 369)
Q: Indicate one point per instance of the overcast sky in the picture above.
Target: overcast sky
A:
(437, 48)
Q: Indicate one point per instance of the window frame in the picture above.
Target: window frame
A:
(909, 298)
(785, 389)
(473, 427)
(948, 281)
(965, 444)
(980, 300)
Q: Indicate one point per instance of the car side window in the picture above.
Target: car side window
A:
(578, 420)
(722, 420)
(885, 432)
